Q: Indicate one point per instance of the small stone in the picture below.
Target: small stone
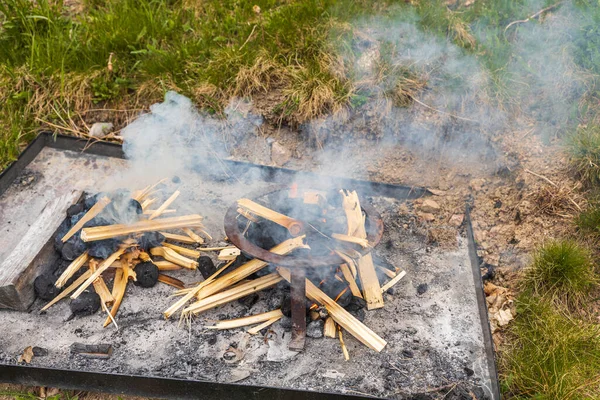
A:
(469, 371)
(39, 351)
(426, 216)
(422, 288)
(101, 129)
(408, 353)
(457, 220)
(212, 339)
(430, 206)
(315, 329)
(279, 154)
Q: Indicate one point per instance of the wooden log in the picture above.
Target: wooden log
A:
(183, 250)
(232, 294)
(68, 290)
(92, 212)
(178, 238)
(169, 280)
(255, 330)
(101, 268)
(164, 205)
(249, 268)
(174, 257)
(294, 226)
(366, 269)
(193, 235)
(245, 321)
(393, 282)
(24, 259)
(111, 231)
(356, 328)
(350, 239)
(329, 328)
(72, 269)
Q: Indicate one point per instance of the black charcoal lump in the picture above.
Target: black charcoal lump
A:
(103, 248)
(147, 274)
(150, 239)
(86, 303)
(44, 287)
(206, 266)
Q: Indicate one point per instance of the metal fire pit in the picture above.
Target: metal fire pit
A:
(298, 263)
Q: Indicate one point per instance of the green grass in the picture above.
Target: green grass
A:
(563, 272)
(584, 150)
(550, 355)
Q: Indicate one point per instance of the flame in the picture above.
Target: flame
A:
(314, 307)
(341, 294)
(293, 190)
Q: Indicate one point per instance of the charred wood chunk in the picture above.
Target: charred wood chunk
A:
(73, 248)
(150, 239)
(286, 306)
(44, 287)
(92, 350)
(206, 266)
(62, 231)
(355, 304)
(147, 274)
(266, 234)
(86, 303)
(103, 248)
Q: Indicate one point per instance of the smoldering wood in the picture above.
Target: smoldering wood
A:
(21, 266)
(92, 350)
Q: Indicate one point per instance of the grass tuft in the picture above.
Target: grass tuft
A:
(584, 149)
(562, 271)
(551, 355)
(588, 220)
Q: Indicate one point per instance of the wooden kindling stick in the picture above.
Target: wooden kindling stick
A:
(169, 280)
(101, 268)
(258, 328)
(294, 226)
(174, 257)
(392, 282)
(193, 235)
(245, 321)
(184, 251)
(178, 238)
(92, 212)
(356, 328)
(122, 276)
(72, 269)
(111, 231)
(164, 205)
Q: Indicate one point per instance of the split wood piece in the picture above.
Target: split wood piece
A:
(247, 269)
(178, 238)
(329, 328)
(168, 211)
(247, 214)
(255, 330)
(141, 194)
(192, 292)
(364, 243)
(351, 280)
(294, 226)
(92, 350)
(167, 266)
(119, 287)
(111, 231)
(148, 202)
(390, 274)
(174, 257)
(164, 205)
(344, 348)
(215, 248)
(72, 269)
(68, 290)
(101, 268)
(169, 280)
(393, 282)
(229, 254)
(366, 269)
(193, 235)
(232, 294)
(100, 286)
(92, 212)
(356, 328)
(206, 234)
(349, 261)
(245, 321)
(183, 250)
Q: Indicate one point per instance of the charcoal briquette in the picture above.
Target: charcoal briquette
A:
(75, 209)
(147, 274)
(44, 287)
(103, 248)
(206, 266)
(356, 303)
(86, 303)
(150, 239)
(73, 248)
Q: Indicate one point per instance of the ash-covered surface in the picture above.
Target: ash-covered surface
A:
(430, 321)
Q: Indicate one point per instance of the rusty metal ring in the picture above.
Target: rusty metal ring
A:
(373, 226)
